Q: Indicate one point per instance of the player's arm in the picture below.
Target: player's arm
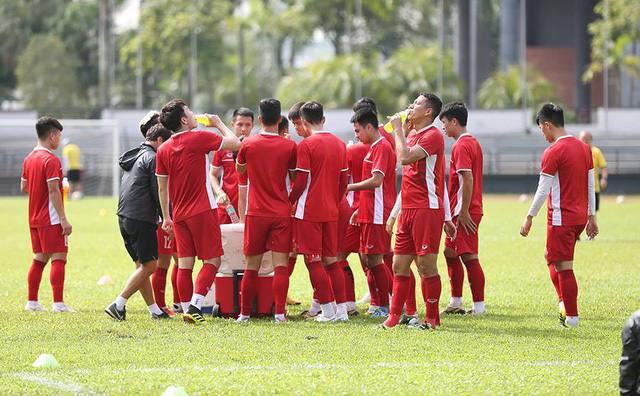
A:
(604, 175)
(406, 155)
(464, 218)
(592, 225)
(242, 202)
(343, 183)
(221, 196)
(298, 185)
(55, 196)
(542, 192)
(24, 186)
(371, 183)
(394, 214)
(231, 141)
(163, 195)
(449, 227)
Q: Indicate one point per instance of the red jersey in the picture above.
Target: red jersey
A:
(423, 180)
(324, 157)
(568, 161)
(223, 160)
(40, 167)
(375, 205)
(184, 160)
(388, 137)
(355, 154)
(269, 157)
(465, 156)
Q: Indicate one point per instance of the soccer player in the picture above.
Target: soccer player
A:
(138, 209)
(465, 198)
(183, 179)
(567, 180)
(320, 183)
(48, 224)
(267, 159)
(71, 156)
(283, 128)
(425, 207)
(599, 166)
(377, 197)
(224, 161)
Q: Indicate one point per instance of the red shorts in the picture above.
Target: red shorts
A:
(223, 216)
(374, 239)
(419, 231)
(262, 234)
(348, 235)
(199, 235)
(561, 241)
(316, 238)
(49, 240)
(166, 247)
(464, 243)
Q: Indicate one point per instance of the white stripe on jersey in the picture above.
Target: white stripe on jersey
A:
(53, 215)
(207, 169)
(556, 216)
(430, 177)
(378, 205)
(458, 207)
(303, 200)
(351, 196)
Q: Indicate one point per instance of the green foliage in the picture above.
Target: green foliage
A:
(503, 90)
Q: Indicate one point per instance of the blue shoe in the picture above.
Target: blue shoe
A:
(381, 312)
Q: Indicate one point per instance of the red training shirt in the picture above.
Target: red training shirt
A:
(466, 155)
(375, 205)
(40, 167)
(224, 161)
(355, 154)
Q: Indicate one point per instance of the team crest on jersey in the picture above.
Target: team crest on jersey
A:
(424, 247)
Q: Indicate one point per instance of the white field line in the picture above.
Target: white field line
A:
(66, 386)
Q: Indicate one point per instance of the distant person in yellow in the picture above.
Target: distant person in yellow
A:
(599, 165)
(71, 156)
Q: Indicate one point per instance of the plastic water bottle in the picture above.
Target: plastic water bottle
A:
(231, 211)
(201, 118)
(403, 114)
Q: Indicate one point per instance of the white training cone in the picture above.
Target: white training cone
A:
(46, 360)
(106, 280)
(175, 391)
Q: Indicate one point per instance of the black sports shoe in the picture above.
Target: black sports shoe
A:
(406, 319)
(115, 313)
(193, 316)
(422, 326)
(163, 315)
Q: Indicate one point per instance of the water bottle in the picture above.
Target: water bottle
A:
(201, 118)
(403, 114)
(231, 211)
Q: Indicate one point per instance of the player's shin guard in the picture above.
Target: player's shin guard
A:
(476, 279)
(57, 279)
(33, 279)
(555, 280)
(280, 288)
(456, 276)
(349, 281)
(291, 265)
(159, 283)
(380, 273)
(336, 274)
(174, 284)
(400, 291)
(569, 288)
(185, 285)
(248, 291)
(431, 290)
(412, 306)
(319, 281)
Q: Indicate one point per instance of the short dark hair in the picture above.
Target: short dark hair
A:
(172, 113)
(45, 125)
(283, 125)
(455, 110)
(552, 113)
(270, 110)
(365, 116)
(149, 120)
(312, 112)
(157, 131)
(294, 111)
(242, 112)
(365, 102)
(434, 102)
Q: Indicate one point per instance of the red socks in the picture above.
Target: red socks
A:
(33, 279)
(431, 289)
(158, 283)
(319, 281)
(185, 284)
(349, 281)
(336, 274)
(373, 289)
(411, 307)
(569, 290)
(280, 288)
(400, 291)
(476, 279)
(380, 273)
(174, 284)
(205, 278)
(554, 279)
(456, 275)
(57, 279)
(248, 291)
(292, 264)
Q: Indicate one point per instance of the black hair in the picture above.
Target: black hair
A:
(434, 102)
(172, 113)
(283, 125)
(152, 118)
(242, 112)
(294, 111)
(158, 131)
(312, 112)
(365, 102)
(365, 116)
(455, 110)
(270, 110)
(44, 125)
(552, 113)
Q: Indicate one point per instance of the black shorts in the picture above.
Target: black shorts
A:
(73, 175)
(597, 202)
(140, 239)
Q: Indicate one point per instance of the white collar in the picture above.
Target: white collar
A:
(263, 132)
(322, 131)
(180, 133)
(41, 148)
(464, 134)
(562, 137)
(424, 129)
(376, 142)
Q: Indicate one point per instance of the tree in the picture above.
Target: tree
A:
(503, 90)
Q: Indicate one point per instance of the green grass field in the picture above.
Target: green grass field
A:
(516, 348)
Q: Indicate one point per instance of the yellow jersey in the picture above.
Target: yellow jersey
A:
(71, 156)
(598, 163)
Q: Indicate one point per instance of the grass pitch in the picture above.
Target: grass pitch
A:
(516, 348)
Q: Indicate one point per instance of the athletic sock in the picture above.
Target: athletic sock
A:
(57, 279)
(373, 288)
(455, 302)
(400, 290)
(174, 284)
(336, 274)
(248, 291)
(456, 276)
(569, 288)
(571, 321)
(154, 309)
(554, 279)
(349, 283)
(475, 275)
(292, 264)
(478, 307)
(315, 307)
(387, 260)
(280, 288)
(120, 303)
(197, 300)
(328, 310)
(380, 273)
(205, 278)
(281, 317)
(341, 310)
(412, 306)
(431, 290)
(319, 281)
(158, 283)
(185, 286)
(33, 279)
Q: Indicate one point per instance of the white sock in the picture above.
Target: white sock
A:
(455, 301)
(120, 303)
(185, 306)
(280, 317)
(479, 307)
(328, 310)
(315, 307)
(243, 318)
(341, 310)
(154, 309)
(572, 321)
(197, 300)
(561, 306)
(351, 305)
(59, 305)
(32, 304)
